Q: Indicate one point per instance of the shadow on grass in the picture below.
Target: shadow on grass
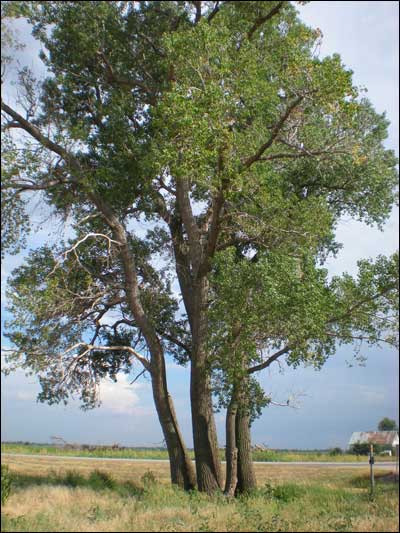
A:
(97, 481)
(384, 481)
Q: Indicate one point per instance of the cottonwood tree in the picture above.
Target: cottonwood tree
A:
(216, 122)
(284, 310)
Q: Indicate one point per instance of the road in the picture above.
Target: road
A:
(385, 465)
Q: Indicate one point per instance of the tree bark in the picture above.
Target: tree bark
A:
(246, 475)
(181, 467)
(231, 452)
(192, 256)
(208, 464)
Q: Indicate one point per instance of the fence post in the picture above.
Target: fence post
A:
(371, 468)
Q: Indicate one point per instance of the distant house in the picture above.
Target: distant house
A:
(384, 438)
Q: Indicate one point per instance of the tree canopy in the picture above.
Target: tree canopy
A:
(218, 125)
(387, 424)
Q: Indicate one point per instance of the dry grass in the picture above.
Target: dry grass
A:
(322, 499)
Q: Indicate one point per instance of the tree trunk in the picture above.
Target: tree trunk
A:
(246, 476)
(208, 467)
(181, 467)
(231, 452)
(192, 269)
(208, 464)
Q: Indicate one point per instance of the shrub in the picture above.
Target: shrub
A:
(73, 479)
(284, 493)
(101, 480)
(363, 448)
(360, 448)
(336, 451)
(5, 483)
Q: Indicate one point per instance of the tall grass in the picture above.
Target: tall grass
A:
(160, 453)
(99, 501)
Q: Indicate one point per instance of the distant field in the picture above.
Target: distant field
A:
(160, 453)
(68, 495)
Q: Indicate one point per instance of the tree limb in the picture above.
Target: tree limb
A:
(275, 131)
(269, 361)
(263, 19)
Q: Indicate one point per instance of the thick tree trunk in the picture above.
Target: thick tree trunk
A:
(181, 467)
(231, 452)
(246, 475)
(208, 463)
(192, 260)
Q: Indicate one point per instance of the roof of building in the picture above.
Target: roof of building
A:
(375, 437)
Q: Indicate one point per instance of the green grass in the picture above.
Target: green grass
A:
(98, 501)
(45, 449)
(160, 453)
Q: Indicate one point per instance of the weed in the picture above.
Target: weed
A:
(6, 482)
(148, 479)
(284, 493)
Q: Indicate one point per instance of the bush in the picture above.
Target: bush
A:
(73, 479)
(360, 448)
(101, 480)
(336, 451)
(284, 493)
(5, 483)
(363, 448)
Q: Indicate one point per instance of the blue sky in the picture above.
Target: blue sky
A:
(333, 402)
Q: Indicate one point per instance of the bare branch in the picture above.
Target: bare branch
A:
(112, 77)
(75, 246)
(138, 376)
(137, 355)
(293, 401)
(305, 153)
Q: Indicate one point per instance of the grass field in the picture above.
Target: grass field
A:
(70, 495)
(160, 453)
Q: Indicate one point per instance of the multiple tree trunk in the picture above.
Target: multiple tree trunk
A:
(194, 245)
(181, 467)
(192, 271)
(240, 475)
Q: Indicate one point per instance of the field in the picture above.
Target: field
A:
(160, 453)
(80, 495)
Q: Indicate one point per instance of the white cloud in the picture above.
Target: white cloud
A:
(121, 396)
